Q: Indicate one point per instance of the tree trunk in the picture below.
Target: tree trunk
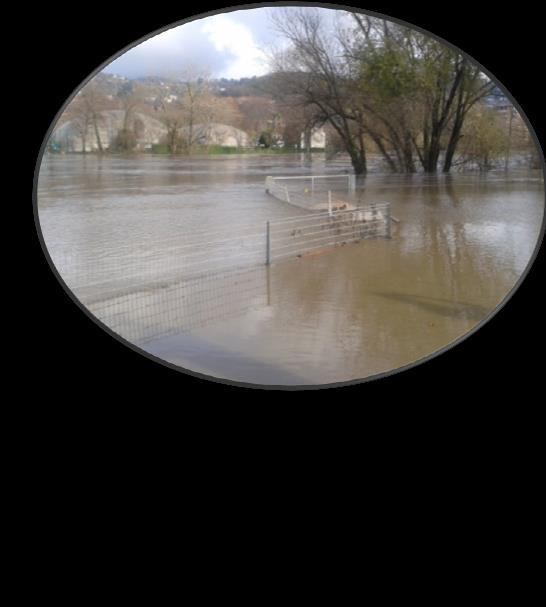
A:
(409, 162)
(431, 156)
(358, 160)
(450, 154)
(171, 140)
(97, 134)
(190, 135)
(307, 140)
(454, 138)
(379, 143)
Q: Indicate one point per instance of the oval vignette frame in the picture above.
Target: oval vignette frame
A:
(230, 382)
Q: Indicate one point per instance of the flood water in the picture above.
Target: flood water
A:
(460, 244)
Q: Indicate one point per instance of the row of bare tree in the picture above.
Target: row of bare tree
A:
(185, 108)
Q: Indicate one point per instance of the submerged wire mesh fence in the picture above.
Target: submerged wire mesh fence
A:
(151, 313)
(143, 291)
(298, 236)
(312, 192)
(133, 266)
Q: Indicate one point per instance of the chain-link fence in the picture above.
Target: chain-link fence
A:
(145, 314)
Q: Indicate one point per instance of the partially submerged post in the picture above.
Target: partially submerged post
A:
(267, 244)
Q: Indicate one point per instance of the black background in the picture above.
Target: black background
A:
(75, 361)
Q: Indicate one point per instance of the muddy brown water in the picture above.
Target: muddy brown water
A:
(461, 244)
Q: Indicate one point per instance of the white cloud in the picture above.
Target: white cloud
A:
(237, 40)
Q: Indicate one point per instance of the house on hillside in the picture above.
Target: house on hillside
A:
(218, 134)
(313, 139)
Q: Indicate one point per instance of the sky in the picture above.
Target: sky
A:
(228, 45)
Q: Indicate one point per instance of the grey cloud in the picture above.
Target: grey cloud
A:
(186, 46)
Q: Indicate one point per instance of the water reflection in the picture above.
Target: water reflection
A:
(442, 307)
(451, 190)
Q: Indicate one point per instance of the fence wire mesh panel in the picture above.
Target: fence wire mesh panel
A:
(147, 314)
(298, 236)
(313, 192)
(132, 267)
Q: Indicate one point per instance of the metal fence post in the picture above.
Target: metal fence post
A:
(267, 244)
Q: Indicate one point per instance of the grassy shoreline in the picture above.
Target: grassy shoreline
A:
(211, 150)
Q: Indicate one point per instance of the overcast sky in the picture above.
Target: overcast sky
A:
(229, 45)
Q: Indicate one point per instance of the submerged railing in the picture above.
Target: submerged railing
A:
(310, 192)
(145, 314)
(130, 267)
(297, 236)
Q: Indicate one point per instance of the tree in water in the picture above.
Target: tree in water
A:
(314, 72)
(371, 79)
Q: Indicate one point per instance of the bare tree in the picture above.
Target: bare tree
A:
(94, 102)
(130, 97)
(315, 72)
(186, 107)
(81, 124)
(197, 109)
(84, 113)
(79, 116)
(256, 112)
(169, 106)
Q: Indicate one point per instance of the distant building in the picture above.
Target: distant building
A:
(218, 134)
(314, 139)
(148, 131)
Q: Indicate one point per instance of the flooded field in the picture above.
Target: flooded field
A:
(459, 245)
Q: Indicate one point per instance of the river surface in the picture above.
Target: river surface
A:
(154, 246)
